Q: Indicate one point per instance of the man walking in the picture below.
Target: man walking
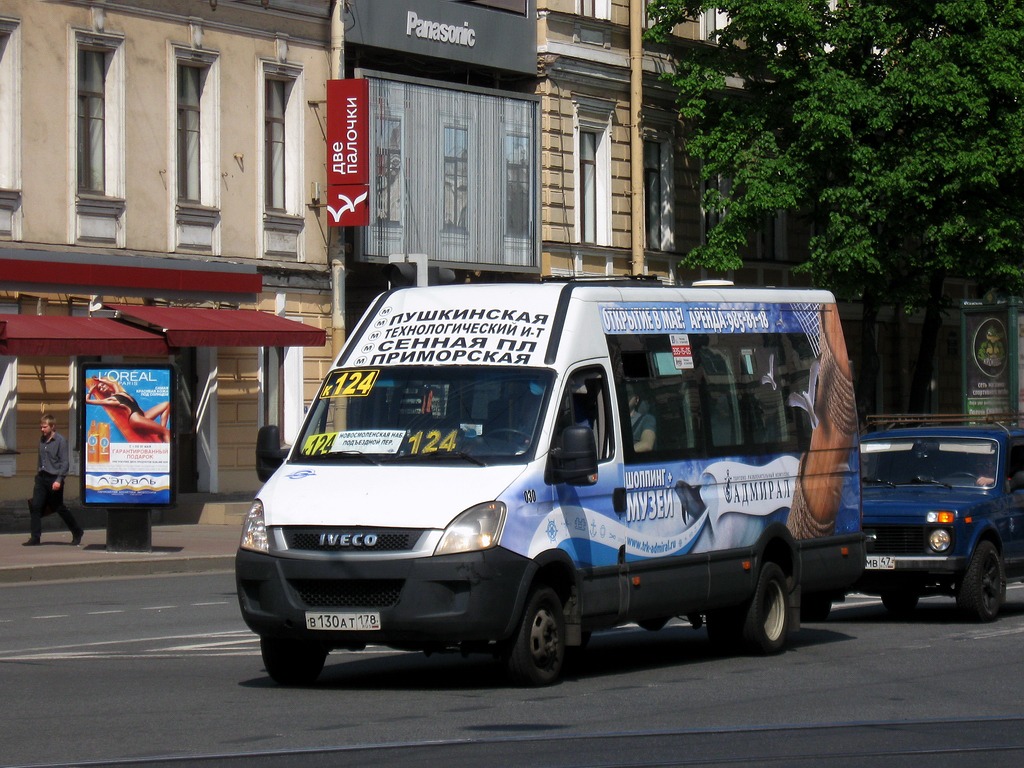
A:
(49, 487)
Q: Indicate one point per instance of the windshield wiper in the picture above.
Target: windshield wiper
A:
(879, 481)
(925, 480)
(439, 455)
(356, 455)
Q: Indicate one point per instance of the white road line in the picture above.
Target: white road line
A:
(103, 613)
(158, 607)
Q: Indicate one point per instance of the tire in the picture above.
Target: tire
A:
(983, 588)
(815, 607)
(537, 652)
(292, 662)
(766, 625)
(900, 603)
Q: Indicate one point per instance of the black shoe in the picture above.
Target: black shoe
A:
(33, 542)
(76, 539)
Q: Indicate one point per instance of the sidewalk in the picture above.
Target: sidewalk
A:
(190, 548)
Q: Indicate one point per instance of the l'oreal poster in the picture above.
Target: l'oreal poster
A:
(127, 435)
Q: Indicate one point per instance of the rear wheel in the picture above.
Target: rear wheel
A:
(767, 621)
(537, 652)
(983, 588)
(292, 662)
(900, 603)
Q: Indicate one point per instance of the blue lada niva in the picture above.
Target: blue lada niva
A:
(943, 513)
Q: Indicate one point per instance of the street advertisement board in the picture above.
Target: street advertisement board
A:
(348, 164)
(126, 428)
(988, 362)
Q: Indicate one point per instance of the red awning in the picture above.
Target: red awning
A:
(63, 335)
(199, 327)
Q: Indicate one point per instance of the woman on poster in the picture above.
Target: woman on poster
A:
(137, 425)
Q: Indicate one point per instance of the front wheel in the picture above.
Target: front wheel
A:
(292, 662)
(537, 652)
(983, 588)
(767, 620)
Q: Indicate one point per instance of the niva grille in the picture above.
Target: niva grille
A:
(333, 593)
(896, 540)
(312, 540)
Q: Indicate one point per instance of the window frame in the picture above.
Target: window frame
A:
(593, 118)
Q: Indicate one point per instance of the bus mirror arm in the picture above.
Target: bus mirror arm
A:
(269, 453)
(574, 459)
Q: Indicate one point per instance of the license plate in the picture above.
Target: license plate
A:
(339, 622)
(880, 562)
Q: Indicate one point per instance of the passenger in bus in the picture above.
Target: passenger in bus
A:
(644, 423)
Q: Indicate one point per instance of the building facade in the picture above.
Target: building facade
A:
(174, 154)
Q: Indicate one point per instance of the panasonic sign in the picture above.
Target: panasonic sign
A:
(438, 32)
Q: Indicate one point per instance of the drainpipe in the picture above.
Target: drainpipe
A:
(636, 142)
(336, 245)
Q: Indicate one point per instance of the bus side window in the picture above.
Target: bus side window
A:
(585, 403)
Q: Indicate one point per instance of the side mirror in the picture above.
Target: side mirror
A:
(574, 459)
(1017, 481)
(269, 453)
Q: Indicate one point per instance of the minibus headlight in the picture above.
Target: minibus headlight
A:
(254, 529)
(939, 540)
(477, 528)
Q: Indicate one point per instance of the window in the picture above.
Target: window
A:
(714, 195)
(92, 67)
(10, 131)
(771, 237)
(588, 186)
(281, 161)
(593, 170)
(712, 21)
(594, 9)
(518, 200)
(455, 175)
(189, 88)
(456, 179)
(658, 208)
(98, 114)
(586, 402)
(196, 136)
(389, 172)
(274, 140)
(731, 394)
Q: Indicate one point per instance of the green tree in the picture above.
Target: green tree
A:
(895, 128)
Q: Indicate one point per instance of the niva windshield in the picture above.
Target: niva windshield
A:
(484, 414)
(948, 461)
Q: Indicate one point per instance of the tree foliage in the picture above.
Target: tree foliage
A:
(895, 127)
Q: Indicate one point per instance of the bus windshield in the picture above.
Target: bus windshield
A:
(484, 414)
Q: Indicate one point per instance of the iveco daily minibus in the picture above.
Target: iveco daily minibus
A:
(508, 468)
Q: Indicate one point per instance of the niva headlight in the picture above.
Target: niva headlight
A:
(254, 529)
(477, 528)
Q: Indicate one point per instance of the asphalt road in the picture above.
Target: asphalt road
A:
(144, 671)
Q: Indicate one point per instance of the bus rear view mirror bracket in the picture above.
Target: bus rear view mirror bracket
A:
(574, 459)
(269, 453)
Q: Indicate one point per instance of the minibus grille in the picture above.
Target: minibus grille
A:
(332, 539)
(895, 539)
(334, 593)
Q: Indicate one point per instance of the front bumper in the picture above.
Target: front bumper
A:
(424, 603)
(915, 572)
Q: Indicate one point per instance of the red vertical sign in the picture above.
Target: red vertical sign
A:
(348, 152)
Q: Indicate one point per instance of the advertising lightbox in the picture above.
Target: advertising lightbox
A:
(127, 435)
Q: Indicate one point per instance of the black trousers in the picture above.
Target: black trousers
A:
(44, 496)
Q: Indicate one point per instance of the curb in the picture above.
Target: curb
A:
(151, 566)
